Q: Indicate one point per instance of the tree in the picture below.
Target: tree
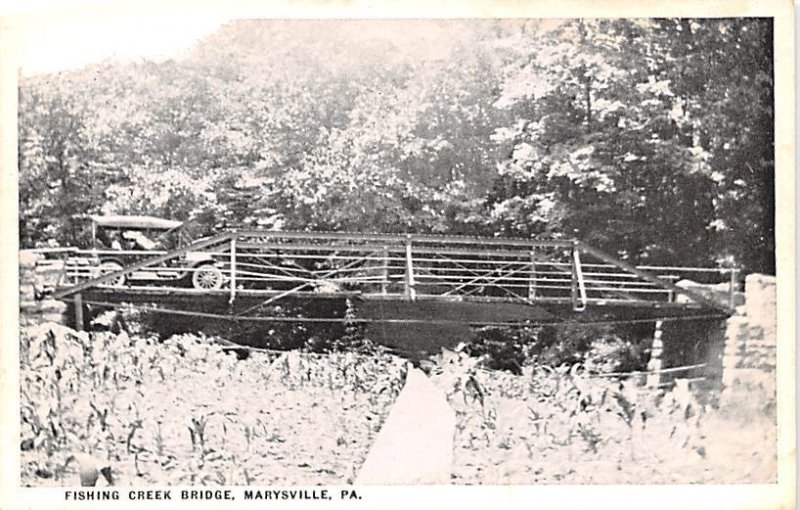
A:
(611, 145)
(648, 138)
(58, 182)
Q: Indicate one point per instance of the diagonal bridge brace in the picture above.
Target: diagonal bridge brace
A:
(695, 296)
(289, 292)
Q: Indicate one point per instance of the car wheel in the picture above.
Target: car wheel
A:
(110, 266)
(207, 277)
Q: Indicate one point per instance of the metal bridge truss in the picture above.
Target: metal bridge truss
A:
(260, 268)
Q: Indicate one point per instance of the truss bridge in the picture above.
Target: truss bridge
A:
(253, 275)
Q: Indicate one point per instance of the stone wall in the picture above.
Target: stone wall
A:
(739, 353)
(34, 276)
(749, 358)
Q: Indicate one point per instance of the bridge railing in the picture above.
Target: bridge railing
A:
(404, 266)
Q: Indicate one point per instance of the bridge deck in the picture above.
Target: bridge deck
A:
(161, 293)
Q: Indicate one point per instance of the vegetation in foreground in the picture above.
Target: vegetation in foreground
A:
(183, 411)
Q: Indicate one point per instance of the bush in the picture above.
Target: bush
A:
(600, 348)
(269, 335)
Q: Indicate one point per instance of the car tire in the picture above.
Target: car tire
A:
(110, 266)
(207, 277)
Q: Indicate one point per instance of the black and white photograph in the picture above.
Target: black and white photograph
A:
(270, 259)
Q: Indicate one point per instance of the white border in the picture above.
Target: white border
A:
(781, 495)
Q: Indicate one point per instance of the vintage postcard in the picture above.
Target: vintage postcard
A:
(519, 254)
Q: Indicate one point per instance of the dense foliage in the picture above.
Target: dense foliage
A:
(652, 139)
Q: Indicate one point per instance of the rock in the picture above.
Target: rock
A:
(49, 275)
(52, 317)
(27, 292)
(415, 445)
(761, 303)
(28, 259)
(52, 306)
(27, 306)
(738, 300)
(751, 338)
(90, 468)
(719, 292)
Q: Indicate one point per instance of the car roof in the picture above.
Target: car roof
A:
(134, 222)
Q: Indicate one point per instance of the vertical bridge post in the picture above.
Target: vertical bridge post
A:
(532, 281)
(385, 275)
(578, 290)
(233, 269)
(410, 292)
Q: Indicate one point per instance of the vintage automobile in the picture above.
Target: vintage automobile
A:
(118, 241)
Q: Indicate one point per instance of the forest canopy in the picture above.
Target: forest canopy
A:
(650, 139)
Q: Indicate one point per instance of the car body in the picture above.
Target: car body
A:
(119, 241)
